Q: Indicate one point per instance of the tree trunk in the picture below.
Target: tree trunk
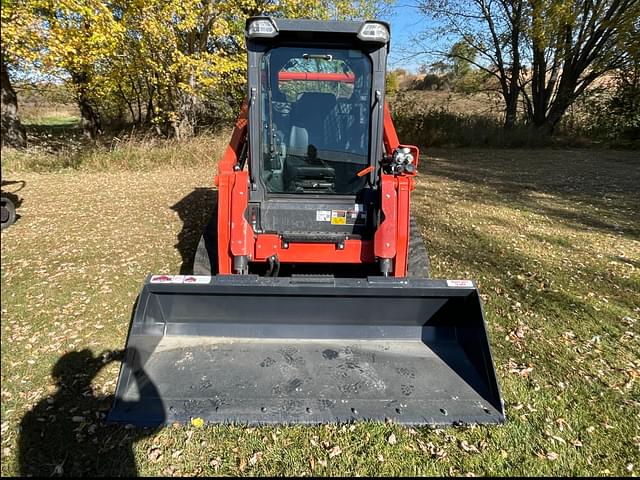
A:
(548, 125)
(13, 132)
(129, 104)
(185, 126)
(511, 112)
(514, 89)
(89, 117)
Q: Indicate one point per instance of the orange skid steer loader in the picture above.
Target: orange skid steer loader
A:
(310, 300)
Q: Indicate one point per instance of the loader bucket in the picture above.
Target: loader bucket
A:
(255, 350)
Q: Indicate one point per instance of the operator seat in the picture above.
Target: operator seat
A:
(305, 170)
(309, 120)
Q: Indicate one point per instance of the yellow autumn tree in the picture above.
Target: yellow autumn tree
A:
(19, 46)
(70, 39)
(158, 61)
(193, 54)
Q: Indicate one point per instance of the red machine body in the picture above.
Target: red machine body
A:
(236, 236)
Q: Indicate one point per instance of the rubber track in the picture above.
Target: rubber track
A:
(205, 261)
(418, 258)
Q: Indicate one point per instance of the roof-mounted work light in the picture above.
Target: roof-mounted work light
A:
(262, 28)
(373, 32)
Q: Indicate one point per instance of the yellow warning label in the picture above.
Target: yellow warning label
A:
(338, 217)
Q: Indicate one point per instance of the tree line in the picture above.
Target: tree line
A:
(170, 64)
(162, 63)
(542, 53)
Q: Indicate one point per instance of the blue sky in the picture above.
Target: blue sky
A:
(407, 24)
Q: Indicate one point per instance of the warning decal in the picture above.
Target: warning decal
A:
(195, 279)
(188, 279)
(167, 279)
(459, 283)
(323, 215)
(338, 217)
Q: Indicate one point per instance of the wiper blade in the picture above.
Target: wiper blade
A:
(320, 56)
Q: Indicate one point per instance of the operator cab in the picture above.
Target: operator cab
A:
(316, 105)
(316, 118)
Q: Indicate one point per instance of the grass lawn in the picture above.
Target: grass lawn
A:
(551, 236)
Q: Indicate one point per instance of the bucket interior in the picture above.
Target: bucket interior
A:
(308, 355)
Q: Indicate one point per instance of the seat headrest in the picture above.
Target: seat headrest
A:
(316, 102)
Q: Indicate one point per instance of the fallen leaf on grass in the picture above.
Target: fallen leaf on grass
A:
(197, 422)
(380, 458)
(431, 449)
(176, 454)
(468, 447)
(255, 458)
(155, 454)
(562, 423)
(215, 463)
(521, 370)
(392, 439)
(335, 451)
(552, 456)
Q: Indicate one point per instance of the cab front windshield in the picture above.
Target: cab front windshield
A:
(315, 115)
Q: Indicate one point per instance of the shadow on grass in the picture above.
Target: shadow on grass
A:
(54, 125)
(508, 278)
(603, 192)
(64, 433)
(195, 210)
(55, 134)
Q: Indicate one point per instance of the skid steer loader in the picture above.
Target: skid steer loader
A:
(310, 300)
